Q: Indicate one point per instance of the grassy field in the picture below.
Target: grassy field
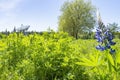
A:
(56, 56)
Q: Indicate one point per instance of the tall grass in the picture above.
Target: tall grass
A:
(55, 56)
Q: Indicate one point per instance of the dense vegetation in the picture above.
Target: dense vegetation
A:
(55, 56)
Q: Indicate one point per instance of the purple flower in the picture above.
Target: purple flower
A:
(112, 43)
(108, 46)
(104, 37)
(99, 39)
(106, 33)
(112, 51)
(99, 47)
(110, 37)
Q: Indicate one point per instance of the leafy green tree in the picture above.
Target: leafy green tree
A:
(77, 17)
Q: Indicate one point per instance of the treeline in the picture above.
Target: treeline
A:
(6, 33)
(92, 35)
(84, 35)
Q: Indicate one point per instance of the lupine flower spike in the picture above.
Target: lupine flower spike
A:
(104, 36)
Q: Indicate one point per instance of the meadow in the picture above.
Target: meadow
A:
(56, 56)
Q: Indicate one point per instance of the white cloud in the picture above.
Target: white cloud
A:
(7, 5)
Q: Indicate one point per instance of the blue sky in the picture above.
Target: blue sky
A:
(109, 10)
(41, 14)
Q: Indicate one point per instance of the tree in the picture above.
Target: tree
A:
(14, 30)
(113, 27)
(77, 17)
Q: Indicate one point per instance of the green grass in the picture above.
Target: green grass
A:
(56, 56)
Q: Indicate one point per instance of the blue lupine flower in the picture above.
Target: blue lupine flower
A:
(110, 37)
(112, 43)
(99, 39)
(112, 51)
(104, 37)
(100, 48)
(106, 33)
(103, 48)
(108, 46)
(98, 34)
(98, 31)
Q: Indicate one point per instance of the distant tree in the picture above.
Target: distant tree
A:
(14, 30)
(114, 27)
(77, 17)
(49, 29)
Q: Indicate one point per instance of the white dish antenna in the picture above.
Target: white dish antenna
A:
(23, 28)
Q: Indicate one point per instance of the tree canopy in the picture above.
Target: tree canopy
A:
(77, 17)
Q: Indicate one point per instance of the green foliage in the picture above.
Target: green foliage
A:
(114, 27)
(77, 17)
(55, 56)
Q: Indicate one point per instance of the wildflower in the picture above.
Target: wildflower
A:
(112, 51)
(99, 39)
(112, 43)
(106, 32)
(101, 48)
(104, 37)
(110, 37)
(108, 46)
